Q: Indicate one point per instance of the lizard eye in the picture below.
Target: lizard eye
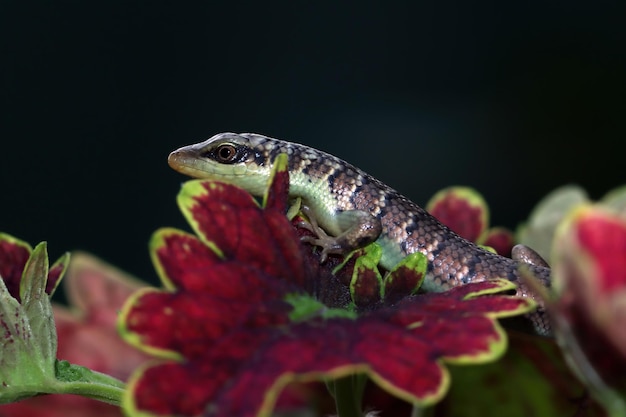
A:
(226, 153)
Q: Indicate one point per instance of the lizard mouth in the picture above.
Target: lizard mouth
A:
(185, 162)
(188, 161)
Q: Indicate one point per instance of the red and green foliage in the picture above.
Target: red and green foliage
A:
(465, 211)
(243, 315)
(29, 343)
(28, 354)
(87, 336)
(589, 308)
(249, 321)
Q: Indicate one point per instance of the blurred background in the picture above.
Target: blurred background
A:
(511, 98)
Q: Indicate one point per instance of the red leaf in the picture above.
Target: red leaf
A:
(590, 281)
(13, 257)
(229, 218)
(194, 320)
(191, 389)
(462, 209)
(366, 287)
(187, 264)
(500, 239)
(277, 195)
(604, 238)
(401, 282)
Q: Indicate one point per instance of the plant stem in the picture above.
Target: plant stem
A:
(111, 394)
(421, 411)
(358, 382)
(346, 397)
(75, 379)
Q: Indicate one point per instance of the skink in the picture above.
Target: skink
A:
(355, 209)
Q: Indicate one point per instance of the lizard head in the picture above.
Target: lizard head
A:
(240, 159)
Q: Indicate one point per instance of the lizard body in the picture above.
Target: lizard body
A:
(354, 208)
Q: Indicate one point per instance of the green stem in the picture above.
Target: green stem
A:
(421, 411)
(358, 382)
(75, 379)
(99, 387)
(346, 397)
(108, 393)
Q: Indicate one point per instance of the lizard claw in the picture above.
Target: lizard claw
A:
(307, 226)
(328, 243)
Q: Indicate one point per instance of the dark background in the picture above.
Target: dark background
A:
(513, 98)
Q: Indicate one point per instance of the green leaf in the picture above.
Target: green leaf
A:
(538, 232)
(37, 305)
(616, 199)
(28, 364)
(306, 307)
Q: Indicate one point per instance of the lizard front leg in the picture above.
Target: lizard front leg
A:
(358, 229)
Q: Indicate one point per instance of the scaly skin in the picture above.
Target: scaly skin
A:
(354, 208)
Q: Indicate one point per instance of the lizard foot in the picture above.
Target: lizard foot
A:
(358, 229)
(329, 244)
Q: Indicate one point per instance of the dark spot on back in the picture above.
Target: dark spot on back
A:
(331, 181)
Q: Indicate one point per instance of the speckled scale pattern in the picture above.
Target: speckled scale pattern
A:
(407, 228)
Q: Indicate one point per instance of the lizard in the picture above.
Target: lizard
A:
(348, 209)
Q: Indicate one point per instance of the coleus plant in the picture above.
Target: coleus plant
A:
(247, 312)
(588, 256)
(87, 336)
(244, 314)
(589, 300)
(539, 230)
(28, 350)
